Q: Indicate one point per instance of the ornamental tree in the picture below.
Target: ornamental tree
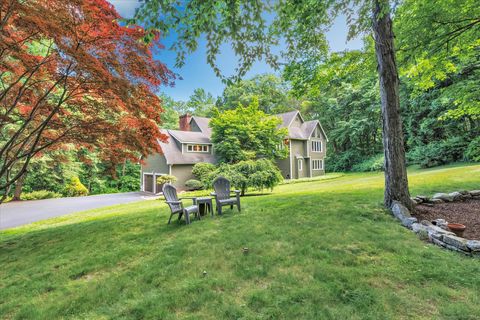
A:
(247, 133)
(71, 74)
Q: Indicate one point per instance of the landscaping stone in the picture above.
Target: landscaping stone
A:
(423, 198)
(402, 214)
(443, 196)
(475, 193)
(455, 241)
(464, 192)
(450, 247)
(418, 227)
(442, 223)
(434, 201)
(473, 245)
(456, 196)
(437, 232)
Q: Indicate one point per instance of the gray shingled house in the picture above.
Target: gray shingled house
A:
(191, 144)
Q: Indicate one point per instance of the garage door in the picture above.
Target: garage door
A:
(148, 182)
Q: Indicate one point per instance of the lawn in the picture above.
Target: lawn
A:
(322, 249)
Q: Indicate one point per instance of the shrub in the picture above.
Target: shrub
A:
(438, 152)
(75, 188)
(343, 161)
(40, 194)
(166, 179)
(193, 184)
(472, 153)
(375, 163)
(202, 171)
(256, 174)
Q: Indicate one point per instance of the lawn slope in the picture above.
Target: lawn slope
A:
(317, 250)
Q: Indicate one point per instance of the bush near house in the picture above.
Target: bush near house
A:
(375, 163)
(75, 188)
(193, 184)
(166, 179)
(256, 174)
(439, 152)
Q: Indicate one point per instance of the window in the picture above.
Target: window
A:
(317, 146)
(317, 164)
(197, 148)
(300, 164)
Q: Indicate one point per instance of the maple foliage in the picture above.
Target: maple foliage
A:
(70, 73)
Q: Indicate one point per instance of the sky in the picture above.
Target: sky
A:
(196, 73)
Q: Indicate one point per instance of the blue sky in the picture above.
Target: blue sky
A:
(196, 73)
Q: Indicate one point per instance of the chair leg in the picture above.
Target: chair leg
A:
(170, 219)
(187, 217)
(180, 215)
(231, 207)
(219, 209)
(238, 206)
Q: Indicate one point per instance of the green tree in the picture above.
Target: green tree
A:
(301, 25)
(271, 91)
(247, 133)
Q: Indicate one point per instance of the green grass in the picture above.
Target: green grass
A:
(318, 250)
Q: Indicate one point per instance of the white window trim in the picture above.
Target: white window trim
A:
(300, 164)
(202, 145)
(320, 164)
(314, 142)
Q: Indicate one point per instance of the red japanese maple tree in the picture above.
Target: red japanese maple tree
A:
(70, 73)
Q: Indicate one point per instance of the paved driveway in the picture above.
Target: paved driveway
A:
(18, 213)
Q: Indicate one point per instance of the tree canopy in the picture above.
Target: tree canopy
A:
(247, 133)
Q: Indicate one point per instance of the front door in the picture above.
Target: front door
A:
(148, 183)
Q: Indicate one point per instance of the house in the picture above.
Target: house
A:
(191, 144)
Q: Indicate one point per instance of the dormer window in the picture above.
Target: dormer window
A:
(198, 148)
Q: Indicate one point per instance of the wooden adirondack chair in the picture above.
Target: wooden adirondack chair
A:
(222, 194)
(176, 206)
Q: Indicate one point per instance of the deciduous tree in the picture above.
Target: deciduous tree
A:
(70, 73)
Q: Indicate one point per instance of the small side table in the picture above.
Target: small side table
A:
(204, 204)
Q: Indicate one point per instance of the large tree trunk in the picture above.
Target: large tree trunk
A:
(396, 182)
(19, 187)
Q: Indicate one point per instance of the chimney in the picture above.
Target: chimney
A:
(184, 122)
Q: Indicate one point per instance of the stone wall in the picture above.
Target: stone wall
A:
(439, 233)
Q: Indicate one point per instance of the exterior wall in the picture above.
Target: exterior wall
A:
(182, 172)
(156, 165)
(297, 147)
(318, 155)
(194, 126)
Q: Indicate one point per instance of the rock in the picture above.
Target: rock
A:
(473, 245)
(464, 192)
(436, 201)
(467, 196)
(415, 201)
(426, 223)
(455, 196)
(423, 198)
(408, 222)
(417, 227)
(443, 196)
(475, 193)
(455, 241)
(450, 247)
(428, 204)
(400, 211)
(437, 232)
(442, 223)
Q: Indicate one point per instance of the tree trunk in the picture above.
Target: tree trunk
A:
(19, 187)
(396, 182)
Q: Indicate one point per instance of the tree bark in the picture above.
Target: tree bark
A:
(19, 188)
(396, 182)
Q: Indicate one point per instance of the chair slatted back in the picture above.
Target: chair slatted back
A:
(170, 194)
(221, 186)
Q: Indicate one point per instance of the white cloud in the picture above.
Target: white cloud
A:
(126, 8)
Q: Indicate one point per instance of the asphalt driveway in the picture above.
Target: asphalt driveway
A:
(18, 213)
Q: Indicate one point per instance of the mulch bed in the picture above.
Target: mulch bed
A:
(466, 212)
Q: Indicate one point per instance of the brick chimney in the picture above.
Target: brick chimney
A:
(184, 122)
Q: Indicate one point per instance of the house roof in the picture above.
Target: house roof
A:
(190, 136)
(173, 153)
(202, 123)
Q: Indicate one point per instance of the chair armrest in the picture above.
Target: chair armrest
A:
(236, 191)
(174, 202)
(213, 194)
